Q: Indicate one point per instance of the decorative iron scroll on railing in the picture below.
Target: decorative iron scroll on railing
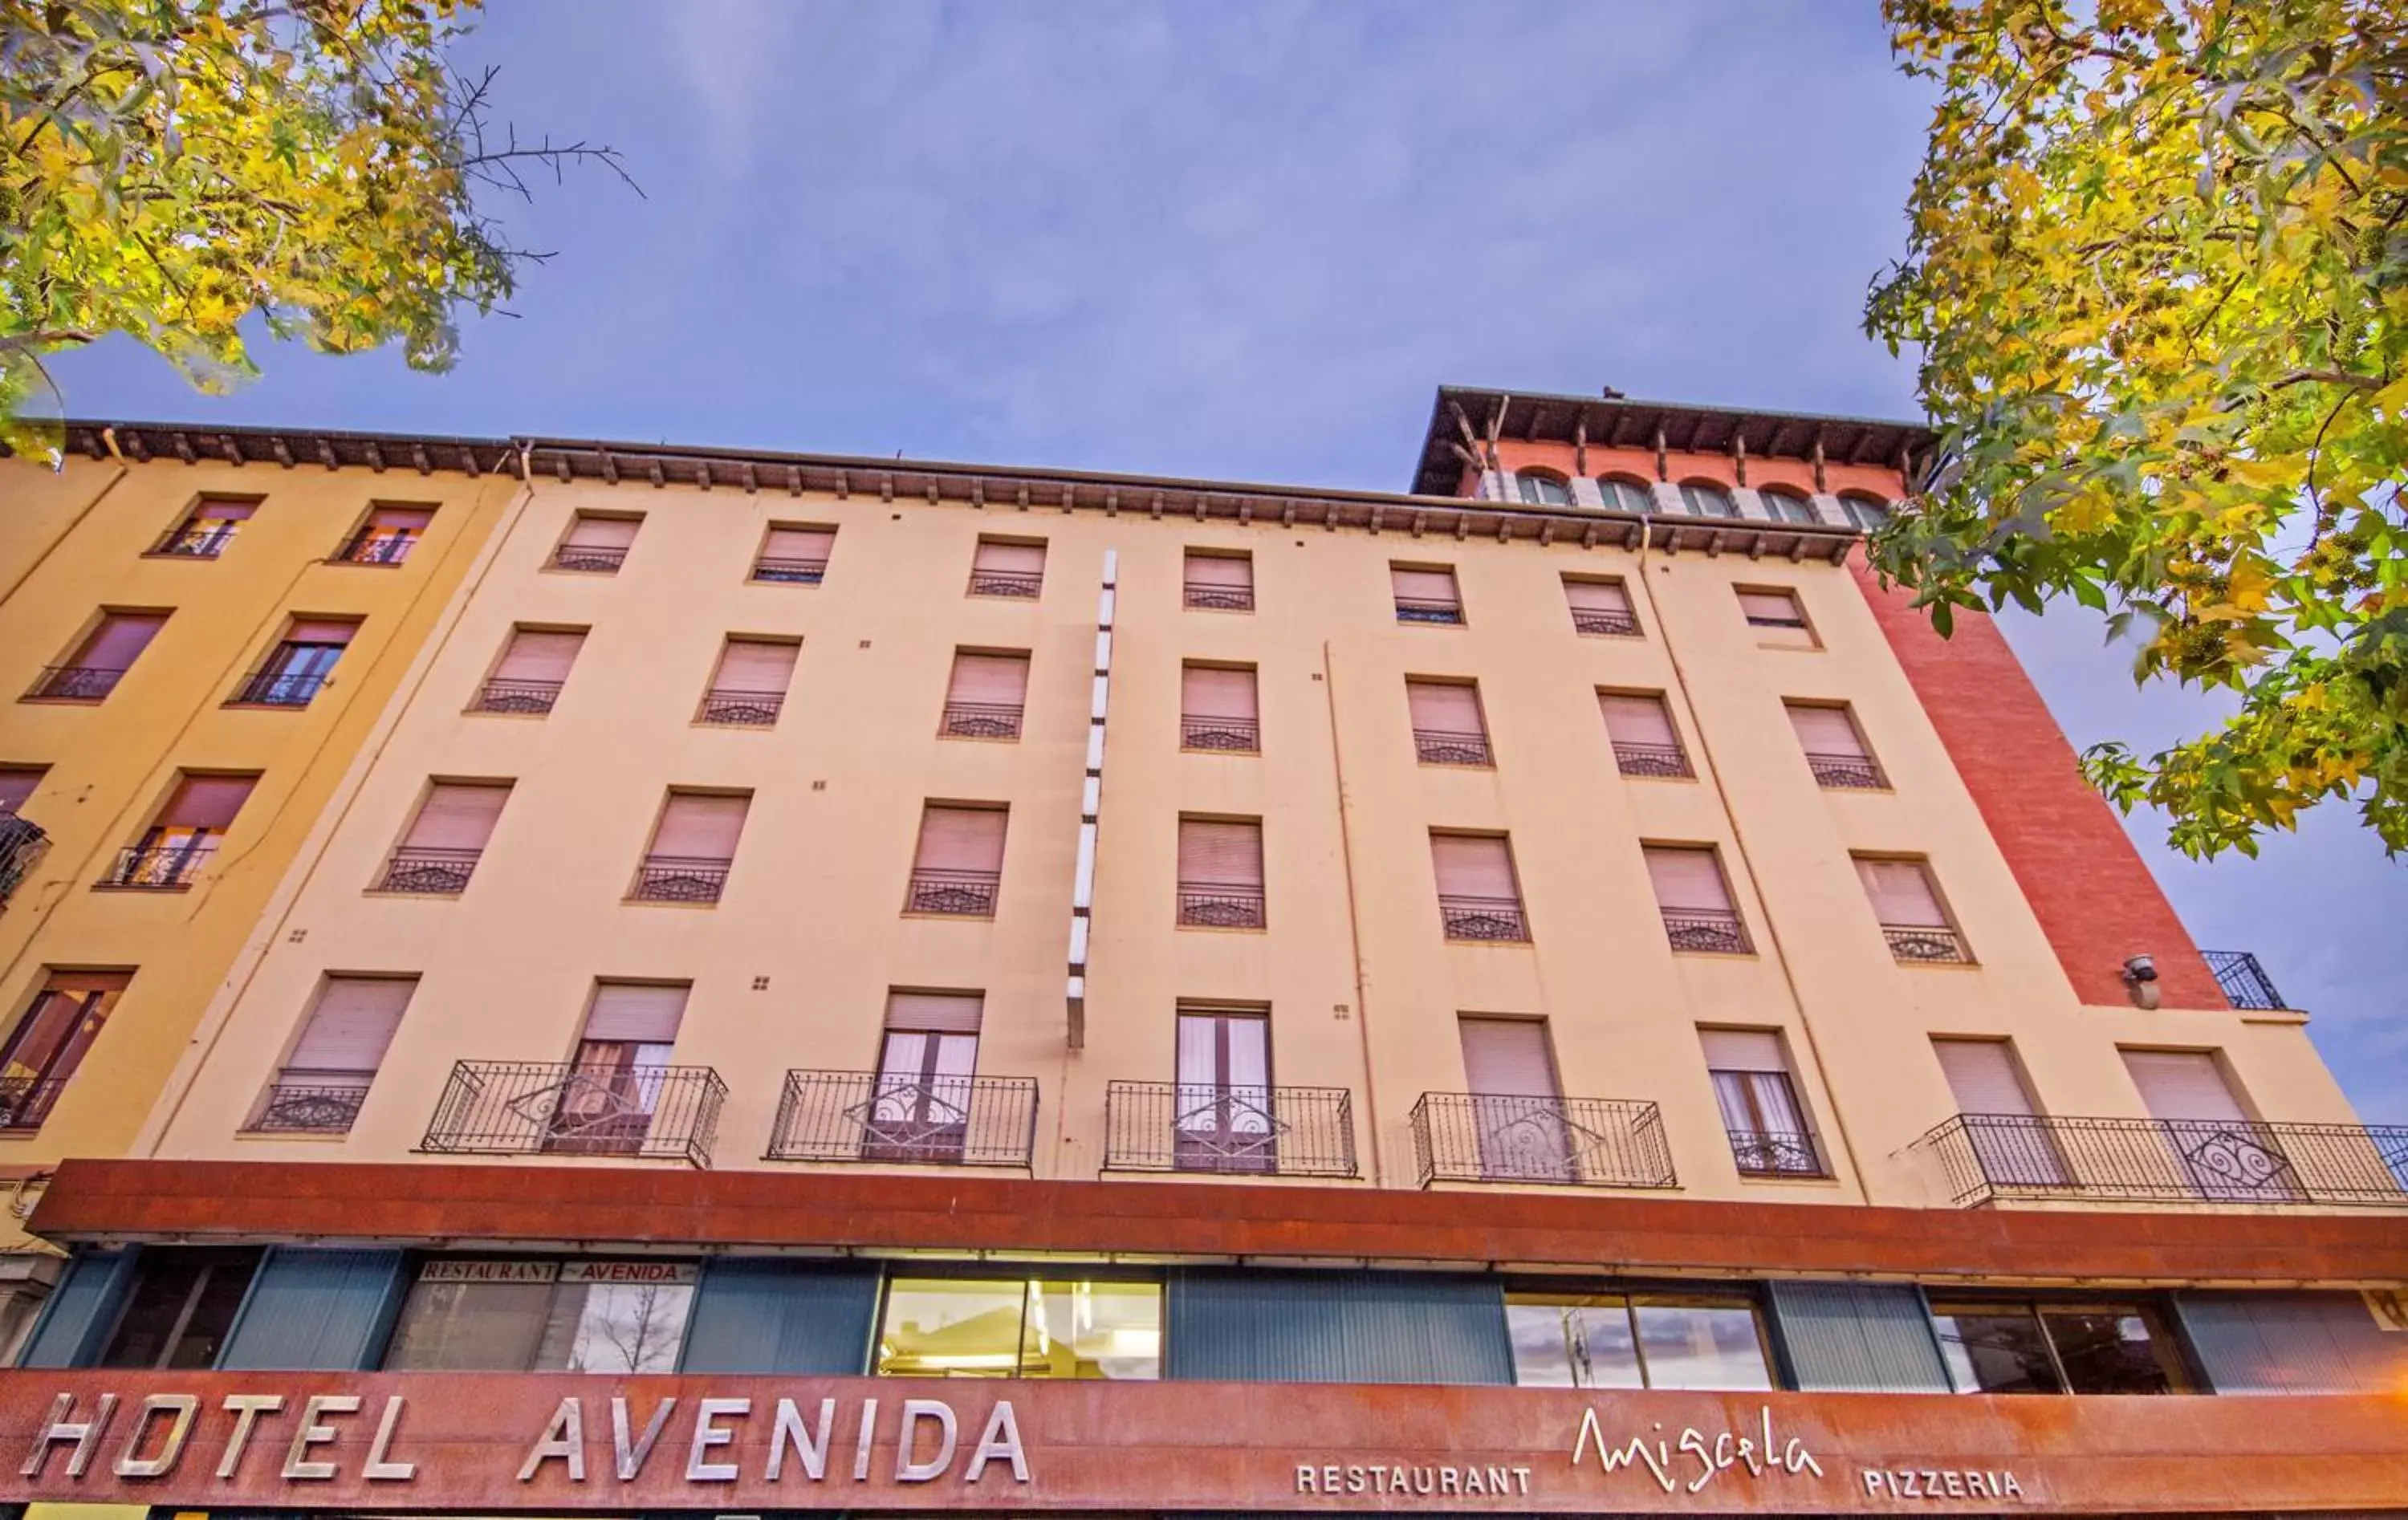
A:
(299, 1105)
(801, 572)
(163, 867)
(1214, 905)
(526, 1108)
(606, 558)
(1767, 1153)
(982, 720)
(1007, 582)
(921, 1120)
(1846, 772)
(1447, 747)
(377, 549)
(1219, 598)
(1707, 930)
(1670, 761)
(963, 894)
(533, 696)
(279, 689)
(1934, 943)
(1989, 1157)
(740, 709)
(75, 683)
(1231, 736)
(681, 878)
(1280, 1131)
(1498, 919)
(433, 873)
(1427, 610)
(1576, 1141)
(1598, 620)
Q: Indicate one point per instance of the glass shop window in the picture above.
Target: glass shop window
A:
(181, 1306)
(1708, 1340)
(991, 1328)
(2084, 1348)
(492, 1314)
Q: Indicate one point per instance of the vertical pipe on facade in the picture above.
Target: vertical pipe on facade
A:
(1739, 846)
(1353, 925)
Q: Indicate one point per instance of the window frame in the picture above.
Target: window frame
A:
(2167, 1349)
(414, 1279)
(1530, 485)
(986, 1272)
(1632, 1296)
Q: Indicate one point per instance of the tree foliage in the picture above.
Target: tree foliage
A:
(170, 167)
(2155, 270)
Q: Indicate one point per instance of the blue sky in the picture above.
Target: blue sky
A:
(1243, 240)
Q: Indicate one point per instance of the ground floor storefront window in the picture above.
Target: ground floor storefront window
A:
(2044, 1347)
(483, 1314)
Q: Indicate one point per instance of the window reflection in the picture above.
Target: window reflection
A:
(2022, 1347)
(498, 1316)
(973, 1328)
(1635, 1340)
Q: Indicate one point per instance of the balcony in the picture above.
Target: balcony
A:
(1429, 609)
(22, 843)
(1444, 746)
(1921, 945)
(910, 1120)
(1217, 599)
(1021, 583)
(1496, 920)
(74, 683)
(534, 698)
(377, 549)
(696, 878)
(1569, 1141)
(278, 689)
(195, 542)
(1257, 1131)
(1220, 905)
(981, 720)
(595, 559)
(428, 873)
(159, 868)
(1228, 736)
(1991, 1156)
(528, 1107)
(740, 709)
(952, 894)
(1707, 931)
(1846, 773)
(791, 572)
(2245, 981)
(309, 1103)
(1668, 762)
(1770, 1153)
(25, 1102)
(1593, 619)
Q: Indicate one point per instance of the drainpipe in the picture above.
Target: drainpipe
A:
(1353, 925)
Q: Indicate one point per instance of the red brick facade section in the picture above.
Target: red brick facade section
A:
(2090, 888)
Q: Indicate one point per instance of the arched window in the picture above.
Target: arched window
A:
(1544, 490)
(1866, 512)
(1788, 506)
(1703, 499)
(1623, 494)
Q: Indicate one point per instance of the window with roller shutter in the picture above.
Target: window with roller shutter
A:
(1695, 900)
(1907, 907)
(208, 528)
(1221, 873)
(446, 839)
(1449, 728)
(1640, 727)
(1777, 617)
(100, 661)
(1600, 607)
(1217, 709)
(1220, 582)
(957, 868)
(1516, 1109)
(16, 784)
(749, 688)
(298, 665)
(693, 847)
(1835, 750)
(1769, 1136)
(595, 544)
(326, 1074)
(386, 536)
(986, 696)
(1426, 593)
(2212, 1140)
(533, 669)
(927, 1064)
(185, 833)
(51, 1039)
(795, 555)
(620, 1072)
(1479, 898)
(1006, 568)
(2011, 1143)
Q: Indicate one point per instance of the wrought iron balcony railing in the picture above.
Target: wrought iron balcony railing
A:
(428, 873)
(740, 709)
(1597, 619)
(528, 1107)
(794, 572)
(1218, 598)
(1769, 1153)
(1429, 609)
(1495, 919)
(378, 549)
(195, 543)
(908, 1119)
(1989, 1157)
(524, 696)
(1846, 772)
(1665, 760)
(959, 894)
(981, 720)
(2245, 981)
(311, 1103)
(1022, 583)
(1446, 747)
(22, 843)
(1267, 1131)
(75, 683)
(1927, 944)
(1219, 905)
(1229, 735)
(159, 868)
(1575, 1142)
(601, 559)
(1707, 931)
(25, 1102)
(680, 878)
(278, 689)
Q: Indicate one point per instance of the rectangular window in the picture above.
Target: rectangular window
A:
(694, 845)
(595, 544)
(1002, 1328)
(1222, 583)
(189, 826)
(1426, 593)
(1908, 908)
(543, 1314)
(387, 536)
(16, 784)
(1221, 873)
(1767, 1125)
(326, 1077)
(446, 839)
(2018, 1347)
(533, 667)
(1601, 607)
(1693, 1340)
(1777, 616)
(985, 695)
(1695, 900)
(608, 1094)
(928, 1063)
(1640, 727)
(1226, 1114)
(299, 663)
(1001, 568)
(208, 528)
(1448, 726)
(1516, 1109)
(180, 1306)
(49, 1042)
(1834, 747)
(958, 868)
(101, 661)
(2011, 1143)
(1218, 708)
(795, 555)
(1479, 896)
(749, 688)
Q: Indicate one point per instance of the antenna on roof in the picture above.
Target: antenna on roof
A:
(1612, 394)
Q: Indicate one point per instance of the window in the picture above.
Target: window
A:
(195, 817)
(101, 661)
(1698, 1341)
(533, 667)
(1624, 494)
(387, 536)
(180, 1306)
(1001, 1327)
(1703, 499)
(1786, 506)
(1543, 490)
(1767, 1125)
(51, 1039)
(326, 1077)
(446, 839)
(208, 528)
(1221, 582)
(1640, 727)
(16, 784)
(1835, 748)
(1221, 873)
(1217, 709)
(1868, 513)
(986, 696)
(1696, 899)
(2208, 1132)
(2009, 1141)
(791, 556)
(959, 865)
(495, 1315)
(595, 544)
(1516, 1109)
(1448, 726)
(1006, 568)
(928, 1063)
(1426, 593)
(605, 1100)
(693, 847)
(1478, 895)
(2017, 1347)
(1600, 607)
(1908, 908)
(749, 688)
(1775, 613)
(1225, 1118)
(297, 665)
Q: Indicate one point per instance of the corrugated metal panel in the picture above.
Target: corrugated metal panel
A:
(1307, 1326)
(80, 1311)
(1857, 1338)
(2292, 1343)
(767, 1316)
(316, 1310)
